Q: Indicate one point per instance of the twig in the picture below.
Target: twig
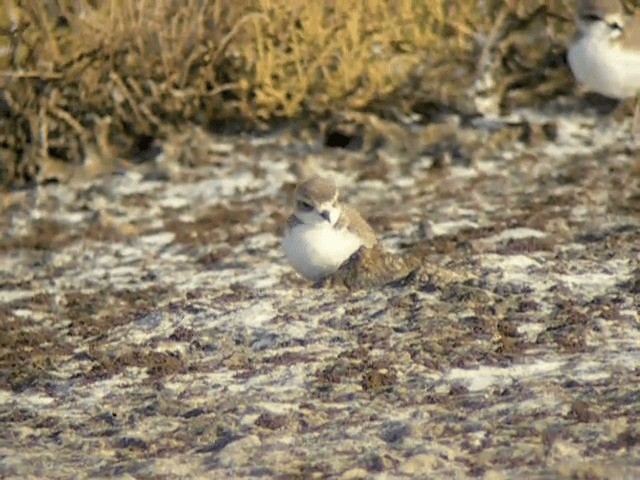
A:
(30, 74)
(72, 122)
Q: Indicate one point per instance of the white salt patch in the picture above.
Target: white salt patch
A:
(633, 315)
(102, 389)
(531, 330)
(576, 132)
(280, 173)
(290, 378)
(487, 105)
(278, 408)
(266, 282)
(264, 140)
(155, 324)
(484, 377)
(253, 316)
(68, 217)
(627, 360)
(461, 172)
(444, 228)
(405, 182)
(6, 396)
(490, 168)
(221, 147)
(212, 191)
(11, 295)
(509, 155)
(174, 202)
(592, 371)
(161, 238)
(298, 331)
(187, 218)
(511, 234)
(572, 134)
(262, 241)
(126, 273)
(590, 281)
(454, 211)
(26, 313)
(33, 399)
(131, 183)
(249, 420)
(546, 401)
(220, 380)
(515, 234)
(124, 251)
(510, 263)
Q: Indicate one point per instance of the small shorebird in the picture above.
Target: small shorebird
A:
(605, 56)
(322, 233)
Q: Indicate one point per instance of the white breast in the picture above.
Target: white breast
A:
(605, 68)
(316, 251)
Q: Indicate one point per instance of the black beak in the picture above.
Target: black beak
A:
(326, 215)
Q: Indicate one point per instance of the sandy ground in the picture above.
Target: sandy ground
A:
(152, 329)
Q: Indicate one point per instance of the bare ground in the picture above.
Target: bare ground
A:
(151, 328)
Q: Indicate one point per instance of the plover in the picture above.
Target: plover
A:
(322, 233)
(605, 56)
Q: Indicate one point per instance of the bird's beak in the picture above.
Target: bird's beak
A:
(326, 215)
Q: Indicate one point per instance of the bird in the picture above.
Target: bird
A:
(322, 233)
(605, 55)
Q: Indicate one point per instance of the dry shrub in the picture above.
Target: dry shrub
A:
(109, 75)
(330, 55)
(114, 72)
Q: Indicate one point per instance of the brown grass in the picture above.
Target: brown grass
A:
(109, 74)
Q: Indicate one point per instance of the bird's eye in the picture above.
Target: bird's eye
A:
(305, 206)
(591, 17)
(615, 26)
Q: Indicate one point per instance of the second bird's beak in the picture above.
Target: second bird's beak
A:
(326, 215)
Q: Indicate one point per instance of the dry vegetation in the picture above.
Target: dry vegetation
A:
(105, 77)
